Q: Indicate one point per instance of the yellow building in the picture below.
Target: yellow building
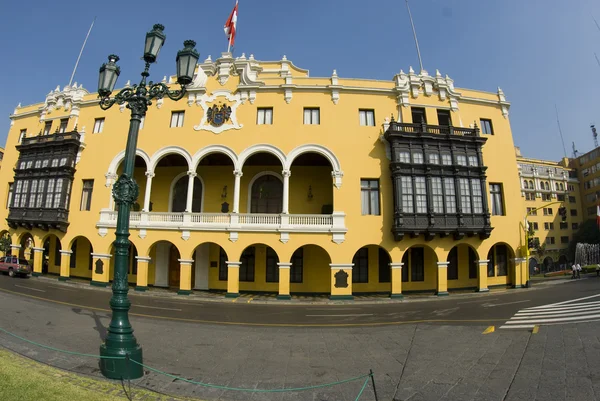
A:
(588, 169)
(546, 186)
(308, 185)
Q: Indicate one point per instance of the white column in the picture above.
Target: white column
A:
(149, 176)
(190, 192)
(286, 191)
(236, 190)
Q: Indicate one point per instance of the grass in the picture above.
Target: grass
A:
(26, 380)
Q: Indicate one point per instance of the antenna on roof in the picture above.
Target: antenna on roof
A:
(595, 134)
(415, 35)
(574, 151)
(81, 51)
(560, 131)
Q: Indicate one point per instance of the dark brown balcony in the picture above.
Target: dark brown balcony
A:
(42, 218)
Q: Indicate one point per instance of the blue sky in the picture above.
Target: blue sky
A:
(540, 52)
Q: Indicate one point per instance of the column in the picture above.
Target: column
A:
(396, 280)
(38, 260)
(442, 279)
(520, 273)
(284, 281)
(233, 279)
(286, 191)
(142, 273)
(100, 269)
(65, 259)
(341, 281)
(190, 192)
(15, 250)
(236, 190)
(149, 176)
(482, 285)
(185, 276)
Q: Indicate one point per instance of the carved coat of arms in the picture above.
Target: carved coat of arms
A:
(217, 116)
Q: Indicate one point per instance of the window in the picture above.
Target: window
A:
(433, 158)
(461, 160)
(24, 194)
(525, 185)
(421, 194)
(404, 157)
(86, 195)
(564, 240)
(222, 265)
(502, 260)
(572, 199)
(465, 195)
(564, 225)
(45, 163)
(22, 135)
(418, 115)
(575, 226)
(531, 211)
(312, 116)
(473, 161)
(38, 164)
(486, 126)
(446, 159)
(444, 117)
(407, 195)
(491, 267)
(49, 193)
(177, 119)
(40, 195)
(548, 226)
(272, 267)
(417, 264)
(98, 125)
(247, 266)
(453, 264)
(546, 197)
(297, 266)
(547, 211)
(54, 162)
(32, 193)
(369, 190)
(384, 266)
(560, 198)
(63, 125)
(47, 127)
(529, 197)
(573, 212)
(366, 117)
(477, 196)
(497, 202)
(571, 188)
(473, 264)
(10, 195)
(29, 164)
(360, 270)
(57, 193)
(63, 161)
(549, 240)
(417, 157)
(73, 257)
(437, 195)
(450, 195)
(264, 116)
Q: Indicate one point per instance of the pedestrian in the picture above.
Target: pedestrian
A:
(578, 270)
(598, 270)
(574, 269)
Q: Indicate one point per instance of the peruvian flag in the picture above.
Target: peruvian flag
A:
(231, 24)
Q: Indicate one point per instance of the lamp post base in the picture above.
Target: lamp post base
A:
(121, 368)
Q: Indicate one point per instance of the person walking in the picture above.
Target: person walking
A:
(578, 270)
(574, 270)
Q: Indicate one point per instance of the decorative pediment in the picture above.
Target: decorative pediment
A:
(68, 99)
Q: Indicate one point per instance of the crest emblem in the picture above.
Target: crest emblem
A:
(217, 116)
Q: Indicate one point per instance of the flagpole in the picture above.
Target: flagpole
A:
(81, 52)
(415, 35)
(230, 35)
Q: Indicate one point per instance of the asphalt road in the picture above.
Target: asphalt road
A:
(478, 309)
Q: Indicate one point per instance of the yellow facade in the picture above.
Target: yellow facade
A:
(546, 186)
(314, 171)
(588, 170)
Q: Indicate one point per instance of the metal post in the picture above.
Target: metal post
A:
(373, 383)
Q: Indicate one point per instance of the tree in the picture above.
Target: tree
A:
(588, 233)
(5, 243)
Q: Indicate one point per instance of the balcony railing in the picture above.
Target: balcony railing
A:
(257, 222)
(414, 128)
(38, 217)
(62, 136)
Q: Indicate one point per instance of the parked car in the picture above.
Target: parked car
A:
(14, 266)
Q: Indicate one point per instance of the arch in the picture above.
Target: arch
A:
(310, 270)
(176, 150)
(364, 271)
(548, 264)
(251, 268)
(27, 243)
(254, 179)
(172, 189)
(80, 262)
(547, 186)
(116, 161)
(25, 236)
(202, 153)
(563, 262)
(51, 256)
(203, 277)
(416, 271)
(246, 153)
(313, 148)
(465, 256)
(164, 267)
(531, 186)
(525, 185)
(499, 264)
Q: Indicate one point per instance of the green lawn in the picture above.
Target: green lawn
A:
(23, 379)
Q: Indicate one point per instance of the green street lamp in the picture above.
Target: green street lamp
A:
(120, 346)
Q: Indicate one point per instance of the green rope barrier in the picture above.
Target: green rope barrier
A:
(363, 388)
(59, 350)
(252, 390)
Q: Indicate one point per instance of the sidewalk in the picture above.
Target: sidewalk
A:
(412, 361)
(270, 298)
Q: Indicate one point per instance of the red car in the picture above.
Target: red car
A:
(14, 266)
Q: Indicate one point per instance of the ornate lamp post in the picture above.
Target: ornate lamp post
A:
(120, 341)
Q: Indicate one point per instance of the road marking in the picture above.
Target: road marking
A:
(527, 315)
(28, 288)
(61, 288)
(569, 301)
(560, 308)
(330, 309)
(234, 300)
(506, 303)
(347, 315)
(535, 330)
(250, 300)
(156, 307)
(489, 330)
(479, 300)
